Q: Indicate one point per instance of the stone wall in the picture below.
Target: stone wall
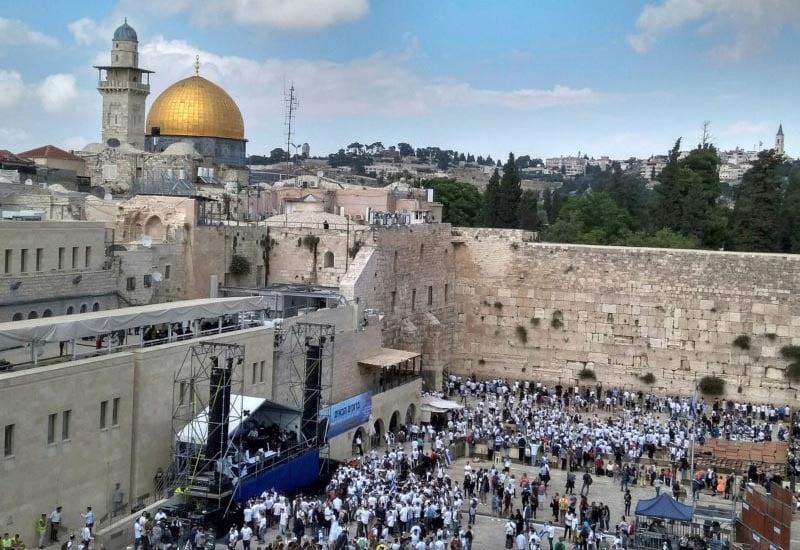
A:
(546, 311)
(415, 288)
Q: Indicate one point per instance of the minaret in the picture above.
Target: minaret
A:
(124, 87)
(779, 140)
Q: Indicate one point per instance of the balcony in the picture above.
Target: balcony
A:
(123, 85)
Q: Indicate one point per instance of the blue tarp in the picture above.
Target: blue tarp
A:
(292, 476)
(665, 507)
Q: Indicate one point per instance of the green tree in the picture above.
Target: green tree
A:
(462, 203)
(592, 218)
(405, 149)
(510, 191)
(755, 222)
(277, 155)
(628, 190)
(491, 200)
(791, 215)
(663, 238)
(529, 211)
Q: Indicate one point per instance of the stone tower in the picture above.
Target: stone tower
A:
(779, 140)
(124, 87)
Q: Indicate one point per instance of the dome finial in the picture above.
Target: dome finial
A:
(197, 65)
(126, 20)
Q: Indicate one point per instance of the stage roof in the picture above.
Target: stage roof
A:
(388, 357)
(67, 327)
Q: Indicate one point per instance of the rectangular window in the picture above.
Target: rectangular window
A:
(115, 412)
(9, 255)
(61, 252)
(74, 257)
(8, 440)
(51, 428)
(23, 260)
(261, 372)
(430, 295)
(253, 381)
(87, 259)
(131, 283)
(65, 416)
(166, 271)
(103, 414)
(147, 280)
(446, 288)
(39, 258)
(182, 393)
(394, 300)
(413, 299)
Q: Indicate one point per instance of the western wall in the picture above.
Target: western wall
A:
(546, 311)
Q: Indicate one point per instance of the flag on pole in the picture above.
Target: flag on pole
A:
(693, 406)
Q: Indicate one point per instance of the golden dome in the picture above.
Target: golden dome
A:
(195, 107)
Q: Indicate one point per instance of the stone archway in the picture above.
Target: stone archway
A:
(364, 443)
(411, 414)
(155, 229)
(378, 430)
(394, 422)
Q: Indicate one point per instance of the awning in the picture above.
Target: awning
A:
(665, 507)
(388, 357)
(68, 327)
(429, 403)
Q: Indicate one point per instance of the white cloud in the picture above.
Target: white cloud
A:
(284, 14)
(58, 92)
(14, 32)
(748, 26)
(85, 30)
(379, 84)
(12, 88)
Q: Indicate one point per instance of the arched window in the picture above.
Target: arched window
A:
(83, 308)
(47, 313)
(17, 317)
(328, 261)
(33, 315)
(70, 310)
(95, 307)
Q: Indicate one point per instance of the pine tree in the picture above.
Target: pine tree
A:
(492, 199)
(547, 205)
(509, 195)
(529, 211)
(755, 222)
(791, 215)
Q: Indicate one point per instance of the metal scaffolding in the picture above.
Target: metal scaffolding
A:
(311, 358)
(206, 399)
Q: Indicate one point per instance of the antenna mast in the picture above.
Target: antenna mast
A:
(290, 106)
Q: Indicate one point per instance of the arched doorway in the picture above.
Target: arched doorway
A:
(83, 308)
(411, 414)
(377, 433)
(70, 310)
(359, 449)
(17, 317)
(328, 259)
(394, 422)
(33, 315)
(155, 228)
(96, 306)
(47, 313)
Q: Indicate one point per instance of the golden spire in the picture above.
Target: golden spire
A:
(197, 65)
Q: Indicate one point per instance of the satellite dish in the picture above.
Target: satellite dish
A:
(157, 276)
(320, 174)
(147, 241)
(113, 143)
(29, 181)
(108, 197)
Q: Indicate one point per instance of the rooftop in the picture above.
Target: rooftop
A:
(50, 152)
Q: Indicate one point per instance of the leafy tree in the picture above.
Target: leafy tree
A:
(755, 223)
(277, 155)
(791, 215)
(663, 238)
(628, 190)
(592, 218)
(462, 158)
(405, 149)
(355, 148)
(523, 162)
(462, 203)
(547, 205)
(480, 160)
(443, 160)
(421, 154)
(470, 157)
(489, 161)
(529, 211)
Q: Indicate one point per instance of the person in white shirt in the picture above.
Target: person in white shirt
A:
(86, 536)
(138, 531)
(246, 534)
(233, 537)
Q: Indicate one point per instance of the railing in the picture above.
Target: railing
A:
(282, 457)
(122, 84)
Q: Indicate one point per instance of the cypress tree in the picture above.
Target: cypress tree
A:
(755, 222)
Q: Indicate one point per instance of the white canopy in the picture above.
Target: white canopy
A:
(430, 403)
(196, 431)
(68, 327)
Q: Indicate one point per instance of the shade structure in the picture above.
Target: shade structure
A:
(665, 507)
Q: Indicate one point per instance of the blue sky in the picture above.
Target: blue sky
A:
(543, 78)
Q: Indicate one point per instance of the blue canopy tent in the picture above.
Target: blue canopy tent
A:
(661, 518)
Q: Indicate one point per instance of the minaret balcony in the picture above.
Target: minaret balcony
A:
(123, 85)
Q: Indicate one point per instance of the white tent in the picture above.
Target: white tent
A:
(432, 404)
(196, 431)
